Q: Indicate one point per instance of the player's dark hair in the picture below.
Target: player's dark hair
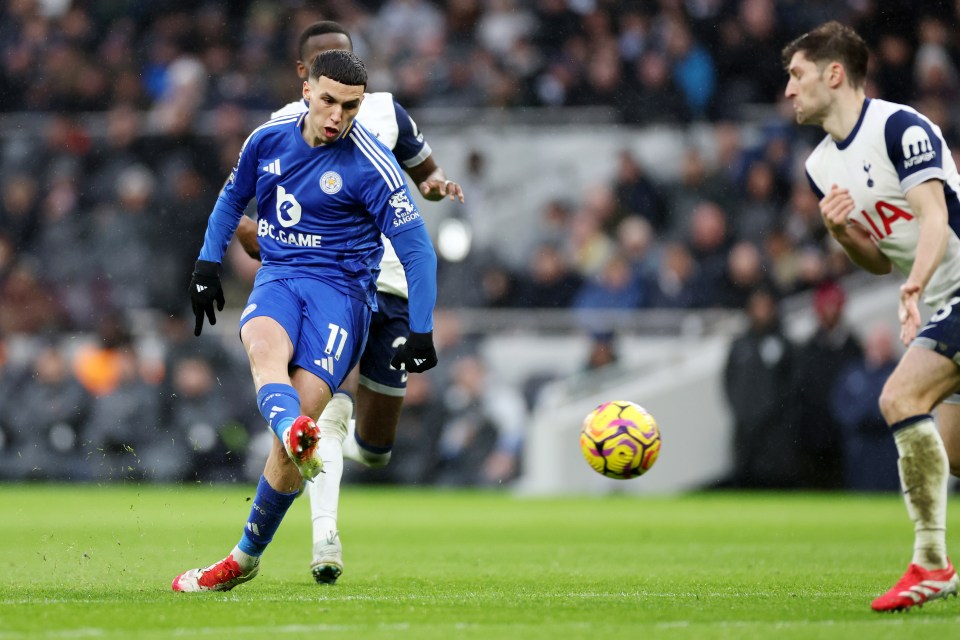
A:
(318, 29)
(833, 42)
(340, 66)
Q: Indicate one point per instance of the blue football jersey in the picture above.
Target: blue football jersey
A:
(320, 210)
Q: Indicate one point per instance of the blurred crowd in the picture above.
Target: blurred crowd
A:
(806, 416)
(98, 224)
(652, 60)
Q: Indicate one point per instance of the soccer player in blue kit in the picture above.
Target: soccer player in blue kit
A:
(888, 189)
(379, 388)
(326, 189)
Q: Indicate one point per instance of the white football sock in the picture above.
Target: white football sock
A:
(353, 451)
(244, 559)
(324, 491)
(923, 476)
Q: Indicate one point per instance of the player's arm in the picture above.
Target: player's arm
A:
(929, 206)
(205, 287)
(419, 260)
(835, 206)
(247, 237)
(416, 157)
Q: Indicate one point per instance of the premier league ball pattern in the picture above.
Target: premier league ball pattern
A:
(620, 440)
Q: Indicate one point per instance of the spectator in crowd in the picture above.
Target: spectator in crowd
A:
(757, 382)
(98, 364)
(550, 282)
(709, 242)
(19, 204)
(696, 183)
(116, 450)
(48, 418)
(637, 194)
(483, 434)
(618, 286)
(12, 465)
(745, 272)
(200, 438)
(869, 453)
(831, 348)
(678, 284)
(652, 97)
(27, 303)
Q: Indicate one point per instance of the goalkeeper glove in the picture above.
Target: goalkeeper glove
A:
(416, 354)
(204, 290)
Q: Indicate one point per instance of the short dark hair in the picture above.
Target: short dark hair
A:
(833, 42)
(340, 66)
(319, 29)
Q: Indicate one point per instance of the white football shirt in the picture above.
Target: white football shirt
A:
(892, 149)
(382, 116)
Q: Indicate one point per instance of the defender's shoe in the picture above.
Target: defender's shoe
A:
(222, 576)
(917, 586)
(300, 440)
(327, 559)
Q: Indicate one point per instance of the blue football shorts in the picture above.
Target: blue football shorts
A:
(328, 328)
(942, 334)
(388, 330)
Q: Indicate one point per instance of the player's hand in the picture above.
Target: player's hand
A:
(909, 312)
(417, 354)
(205, 289)
(834, 209)
(433, 189)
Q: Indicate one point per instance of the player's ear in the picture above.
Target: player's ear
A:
(302, 71)
(836, 75)
(306, 90)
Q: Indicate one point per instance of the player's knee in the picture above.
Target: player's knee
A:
(895, 406)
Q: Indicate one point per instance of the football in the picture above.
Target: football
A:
(620, 440)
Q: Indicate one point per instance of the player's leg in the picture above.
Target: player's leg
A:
(381, 388)
(269, 346)
(921, 380)
(335, 328)
(948, 421)
(377, 417)
(324, 493)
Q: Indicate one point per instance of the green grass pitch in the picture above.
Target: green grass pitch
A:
(97, 562)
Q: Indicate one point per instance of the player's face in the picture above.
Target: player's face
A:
(808, 90)
(315, 45)
(333, 106)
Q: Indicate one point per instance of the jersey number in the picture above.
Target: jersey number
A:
(945, 310)
(333, 343)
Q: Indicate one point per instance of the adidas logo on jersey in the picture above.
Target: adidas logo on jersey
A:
(273, 167)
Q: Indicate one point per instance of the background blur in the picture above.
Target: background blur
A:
(637, 226)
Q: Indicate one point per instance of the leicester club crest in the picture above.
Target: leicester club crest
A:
(331, 182)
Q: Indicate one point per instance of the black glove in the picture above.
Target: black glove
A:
(416, 354)
(204, 289)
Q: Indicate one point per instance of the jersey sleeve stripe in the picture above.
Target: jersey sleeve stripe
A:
(389, 178)
(931, 173)
(365, 137)
(419, 158)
